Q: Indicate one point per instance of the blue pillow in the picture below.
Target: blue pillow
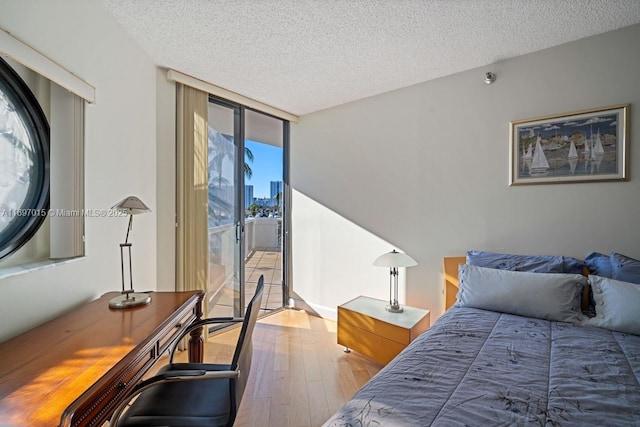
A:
(617, 305)
(530, 263)
(624, 268)
(544, 296)
(599, 265)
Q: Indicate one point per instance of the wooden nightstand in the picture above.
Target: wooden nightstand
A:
(366, 327)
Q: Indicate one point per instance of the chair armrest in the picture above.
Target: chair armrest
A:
(210, 321)
(170, 376)
(185, 375)
(178, 375)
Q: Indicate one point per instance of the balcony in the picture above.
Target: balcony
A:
(262, 256)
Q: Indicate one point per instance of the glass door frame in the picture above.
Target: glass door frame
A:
(286, 217)
(286, 205)
(238, 176)
(239, 124)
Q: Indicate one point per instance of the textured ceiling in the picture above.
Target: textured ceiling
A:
(306, 55)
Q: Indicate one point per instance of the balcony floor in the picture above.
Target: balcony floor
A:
(267, 262)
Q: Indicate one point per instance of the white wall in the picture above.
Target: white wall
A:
(166, 191)
(120, 155)
(425, 169)
(332, 258)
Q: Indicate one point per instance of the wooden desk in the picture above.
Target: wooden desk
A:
(75, 369)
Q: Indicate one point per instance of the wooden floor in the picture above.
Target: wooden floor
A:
(300, 376)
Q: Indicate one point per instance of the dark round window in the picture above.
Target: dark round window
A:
(24, 162)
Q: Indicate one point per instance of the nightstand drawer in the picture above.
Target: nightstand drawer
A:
(371, 345)
(366, 326)
(366, 323)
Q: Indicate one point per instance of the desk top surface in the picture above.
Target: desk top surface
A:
(46, 368)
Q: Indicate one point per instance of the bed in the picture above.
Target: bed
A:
(507, 353)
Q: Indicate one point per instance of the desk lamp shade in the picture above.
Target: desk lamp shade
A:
(394, 260)
(131, 206)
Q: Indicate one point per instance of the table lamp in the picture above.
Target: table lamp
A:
(131, 206)
(393, 260)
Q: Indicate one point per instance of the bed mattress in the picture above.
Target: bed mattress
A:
(482, 368)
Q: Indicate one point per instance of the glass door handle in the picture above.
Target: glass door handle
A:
(239, 231)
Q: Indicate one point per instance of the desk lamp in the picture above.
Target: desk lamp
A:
(131, 206)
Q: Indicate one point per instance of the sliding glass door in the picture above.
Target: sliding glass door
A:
(264, 207)
(226, 223)
(246, 200)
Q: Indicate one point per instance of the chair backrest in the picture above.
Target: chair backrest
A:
(244, 349)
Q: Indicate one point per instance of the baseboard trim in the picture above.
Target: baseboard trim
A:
(325, 312)
(313, 309)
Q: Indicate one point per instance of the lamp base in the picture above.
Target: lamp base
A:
(394, 308)
(131, 299)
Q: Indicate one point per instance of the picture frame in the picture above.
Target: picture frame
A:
(582, 146)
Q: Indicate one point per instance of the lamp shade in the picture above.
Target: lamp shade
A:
(394, 259)
(131, 206)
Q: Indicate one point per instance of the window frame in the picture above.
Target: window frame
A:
(35, 207)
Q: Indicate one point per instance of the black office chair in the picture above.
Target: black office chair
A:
(195, 394)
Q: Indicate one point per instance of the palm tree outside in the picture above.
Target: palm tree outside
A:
(221, 151)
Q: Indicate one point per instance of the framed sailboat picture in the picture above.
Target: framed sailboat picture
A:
(583, 146)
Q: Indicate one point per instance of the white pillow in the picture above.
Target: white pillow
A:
(550, 296)
(617, 305)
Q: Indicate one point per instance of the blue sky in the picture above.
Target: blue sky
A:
(266, 167)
